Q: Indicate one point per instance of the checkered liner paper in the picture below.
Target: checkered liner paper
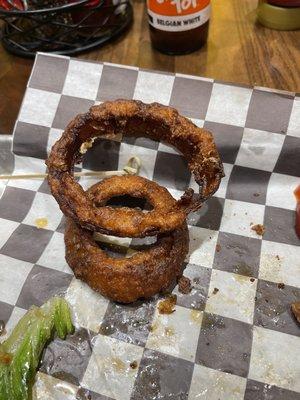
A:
(238, 342)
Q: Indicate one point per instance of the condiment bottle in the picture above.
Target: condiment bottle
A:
(178, 26)
(279, 14)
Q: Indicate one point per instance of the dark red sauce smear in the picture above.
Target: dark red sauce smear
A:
(297, 226)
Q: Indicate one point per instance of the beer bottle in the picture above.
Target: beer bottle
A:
(178, 26)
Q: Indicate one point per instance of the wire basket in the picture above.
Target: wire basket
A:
(64, 29)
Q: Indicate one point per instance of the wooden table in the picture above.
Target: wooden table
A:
(239, 50)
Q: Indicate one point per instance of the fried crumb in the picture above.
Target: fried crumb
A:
(41, 223)
(133, 365)
(218, 248)
(167, 305)
(252, 279)
(281, 285)
(184, 285)
(296, 310)
(215, 291)
(259, 229)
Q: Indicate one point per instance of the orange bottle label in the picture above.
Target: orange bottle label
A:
(178, 15)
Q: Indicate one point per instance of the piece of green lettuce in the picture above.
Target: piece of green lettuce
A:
(20, 353)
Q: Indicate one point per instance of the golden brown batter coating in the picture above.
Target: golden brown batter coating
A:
(132, 118)
(126, 279)
(145, 273)
(134, 220)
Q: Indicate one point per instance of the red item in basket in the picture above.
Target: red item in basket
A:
(78, 16)
(97, 18)
(12, 5)
(92, 3)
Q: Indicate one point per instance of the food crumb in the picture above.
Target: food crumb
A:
(296, 310)
(218, 247)
(207, 343)
(281, 285)
(41, 223)
(252, 279)
(167, 305)
(255, 194)
(133, 365)
(215, 291)
(259, 229)
(184, 285)
(277, 257)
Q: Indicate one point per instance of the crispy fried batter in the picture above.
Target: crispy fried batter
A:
(296, 310)
(144, 274)
(259, 229)
(132, 118)
(184, 285)
(135, 186)
(126, 279)
(167, 306)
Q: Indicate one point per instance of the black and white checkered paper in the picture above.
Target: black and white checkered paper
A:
(240, 342)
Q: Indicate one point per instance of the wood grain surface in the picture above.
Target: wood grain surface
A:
(238, 50)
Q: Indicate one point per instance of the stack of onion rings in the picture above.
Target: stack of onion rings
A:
(145, 273)
(150, 271)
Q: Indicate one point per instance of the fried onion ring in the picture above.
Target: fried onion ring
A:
(126, 280)
(133, 220)
(131, 118)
